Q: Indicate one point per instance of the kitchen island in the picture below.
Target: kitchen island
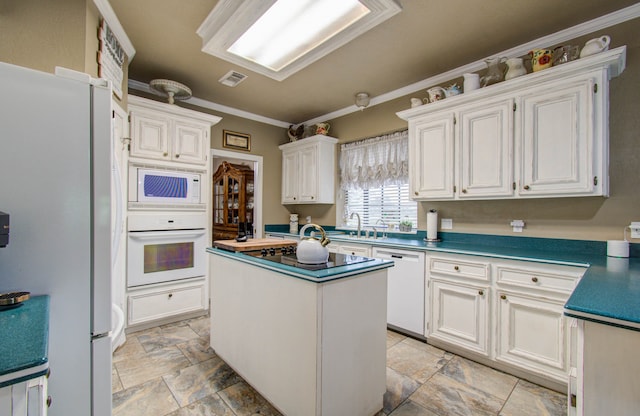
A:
(312, 342)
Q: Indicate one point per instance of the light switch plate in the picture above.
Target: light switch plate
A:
(446, 224)
(635, 229)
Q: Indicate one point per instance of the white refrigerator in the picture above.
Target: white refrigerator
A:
(55, 178)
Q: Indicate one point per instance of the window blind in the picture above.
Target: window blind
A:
(380, 206)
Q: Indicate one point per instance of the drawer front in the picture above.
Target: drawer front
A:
(459, 268)
(539, 279)
(166, 302)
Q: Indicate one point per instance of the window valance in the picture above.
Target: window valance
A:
(375, 162)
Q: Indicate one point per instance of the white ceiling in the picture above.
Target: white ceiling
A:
(427, 38)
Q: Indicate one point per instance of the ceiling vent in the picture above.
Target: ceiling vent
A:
(232, 78)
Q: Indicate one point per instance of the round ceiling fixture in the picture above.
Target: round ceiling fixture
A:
(171, 89)
(362, 100)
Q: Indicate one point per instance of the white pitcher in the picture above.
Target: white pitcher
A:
(595, 46)
(471, 82)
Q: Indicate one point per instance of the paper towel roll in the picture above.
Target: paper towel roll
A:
(432, 225)
(618, 248)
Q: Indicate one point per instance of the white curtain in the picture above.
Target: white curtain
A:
(375, 162)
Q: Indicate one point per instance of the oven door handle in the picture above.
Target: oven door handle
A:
(148, 235)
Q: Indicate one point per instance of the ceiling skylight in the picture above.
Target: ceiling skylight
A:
(291, 28)
(280, 37)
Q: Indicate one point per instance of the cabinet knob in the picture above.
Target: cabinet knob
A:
(49, 400)
(294, 198)
(415, 192)
(170, 295)
(481, 292)
(177, 155)
(464, 191)
(165, 154)
(526, 187)
(456, 268)
(534, 279)
(503, 297)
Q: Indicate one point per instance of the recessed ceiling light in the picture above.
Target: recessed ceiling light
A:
(277, 38)
(291, 28)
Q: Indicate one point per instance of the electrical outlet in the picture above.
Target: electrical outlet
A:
(446, 224)
(517, 225)
(635, 229)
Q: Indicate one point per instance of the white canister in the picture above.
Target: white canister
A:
(618, 248)
(293, 223)
(471, 82)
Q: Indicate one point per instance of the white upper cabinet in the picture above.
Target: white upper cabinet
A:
(308, 171)
(485, 161)
(166, 132)
(431, 160)
(559, 153)
(545, 134)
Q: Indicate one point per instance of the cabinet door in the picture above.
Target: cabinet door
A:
(486, 150)
(405, 289)
(190, 144)
(460, 315)
(149, 136)
(431, 161)
(290, 177)
(308, 174)
(557, 152)
(532, 335)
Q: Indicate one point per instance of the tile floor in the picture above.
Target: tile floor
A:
(170, 370)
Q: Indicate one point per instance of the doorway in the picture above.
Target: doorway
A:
(255, 163)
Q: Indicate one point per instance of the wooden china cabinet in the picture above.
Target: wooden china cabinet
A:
(233, 202)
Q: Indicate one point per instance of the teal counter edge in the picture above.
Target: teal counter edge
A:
(316, 276)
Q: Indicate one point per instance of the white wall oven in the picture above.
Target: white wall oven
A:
(164, 247)
(154, 188)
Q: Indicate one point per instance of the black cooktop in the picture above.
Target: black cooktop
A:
(335, 260)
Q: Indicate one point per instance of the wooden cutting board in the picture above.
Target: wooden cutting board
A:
(253, 244)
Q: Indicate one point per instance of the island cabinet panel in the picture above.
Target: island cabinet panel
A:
(309, 348)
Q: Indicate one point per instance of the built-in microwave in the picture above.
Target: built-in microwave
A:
(164, 189)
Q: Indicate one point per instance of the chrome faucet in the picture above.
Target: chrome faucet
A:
(357, 215)
(384, 224)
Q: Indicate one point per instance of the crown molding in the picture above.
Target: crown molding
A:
(603, 22)
(599, 23)
(144, 87)
(112, 20)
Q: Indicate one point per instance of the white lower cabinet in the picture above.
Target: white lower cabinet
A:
(26, 398)
(532, 334)
(405, 288)
(161, 301)
(460, 315)
(509, 312)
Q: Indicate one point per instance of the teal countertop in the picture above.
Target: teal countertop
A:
(608, 293)
(24, 341)
(316, 276)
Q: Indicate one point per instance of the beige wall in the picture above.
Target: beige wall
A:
(43, 35)
(591, 218)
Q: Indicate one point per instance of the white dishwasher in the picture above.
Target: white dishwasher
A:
(405, 289)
